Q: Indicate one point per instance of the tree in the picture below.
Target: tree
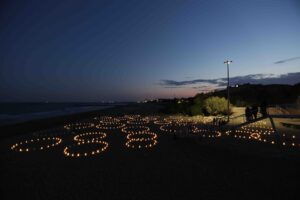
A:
(196, 109)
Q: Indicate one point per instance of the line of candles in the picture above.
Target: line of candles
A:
(23, 145)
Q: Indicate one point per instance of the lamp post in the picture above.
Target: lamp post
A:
(228, 62)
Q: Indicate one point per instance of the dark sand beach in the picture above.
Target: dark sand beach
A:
(181, 168)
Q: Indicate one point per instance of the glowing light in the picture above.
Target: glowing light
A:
(141, 140)
(162, 122)
(70, 151)
(110, 125)
(206, 133)
(135, 129)
(138, 121)
(86, 136)
(38, 144)
(79, 126)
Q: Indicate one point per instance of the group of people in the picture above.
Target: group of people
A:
(219, 121)
(252, 112)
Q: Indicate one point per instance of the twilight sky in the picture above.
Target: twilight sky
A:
(131, 50)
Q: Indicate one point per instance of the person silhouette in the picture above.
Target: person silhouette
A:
(248, 114)
(263, 108)
(254, 111)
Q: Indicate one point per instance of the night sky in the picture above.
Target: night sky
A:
(131, 50)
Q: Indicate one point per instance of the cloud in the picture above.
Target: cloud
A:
(173, 87)
(208, 88)
(181, 83)
(206, 85)
(189, 77)
(287, 60)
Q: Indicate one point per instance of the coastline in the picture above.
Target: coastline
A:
(22, 118)
(20, 128)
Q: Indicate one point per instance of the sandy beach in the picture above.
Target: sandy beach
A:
(181, 168)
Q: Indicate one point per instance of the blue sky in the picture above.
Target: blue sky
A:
(125, 50)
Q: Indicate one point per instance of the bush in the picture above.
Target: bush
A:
(215, 105)
(197, 107)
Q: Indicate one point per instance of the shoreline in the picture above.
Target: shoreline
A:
(20, 128)
(23, 118)
(24, 127)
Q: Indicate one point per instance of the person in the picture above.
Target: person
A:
(254, 111)
(222, 122)
(263, 108)
(248, 114)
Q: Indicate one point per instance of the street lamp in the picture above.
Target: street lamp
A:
(228, 62)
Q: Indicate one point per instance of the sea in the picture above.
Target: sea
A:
(12, 113)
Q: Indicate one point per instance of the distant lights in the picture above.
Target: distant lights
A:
(107, 119)
(135, 129)
(151, 118)
(103, 118)
(176, 127)
(132, 116)
(79, 126)
(137, 121)
(206, 133)
(139, 137)
(110, 125)
(162, 122)
(137, 145)
(168, 128)
(122, 118)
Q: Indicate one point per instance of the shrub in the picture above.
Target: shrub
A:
(215, 105)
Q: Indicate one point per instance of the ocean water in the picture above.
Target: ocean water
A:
(11, 113)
